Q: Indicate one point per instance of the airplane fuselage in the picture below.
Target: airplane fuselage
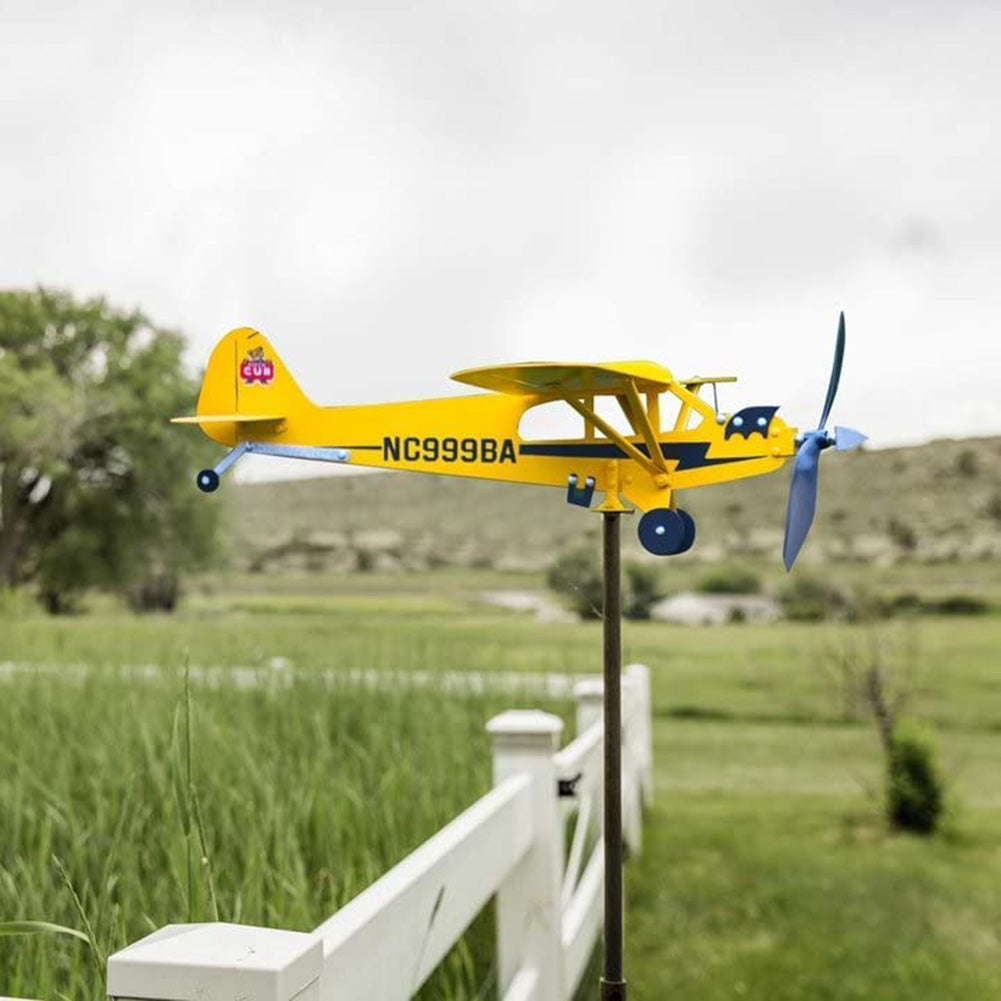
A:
(477, 436)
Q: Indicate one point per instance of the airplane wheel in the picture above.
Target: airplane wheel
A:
(665, 532)
(689, 531)
(207, 480)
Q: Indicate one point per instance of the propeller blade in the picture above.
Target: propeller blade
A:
(832, 386)
(848, 438)
(802, 497)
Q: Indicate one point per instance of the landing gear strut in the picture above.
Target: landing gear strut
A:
(208, 479)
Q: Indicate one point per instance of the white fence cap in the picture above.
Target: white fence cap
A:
(590, 688)
(216, 962)
(529, 730)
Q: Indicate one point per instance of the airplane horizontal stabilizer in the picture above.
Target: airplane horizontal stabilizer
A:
(229, 419)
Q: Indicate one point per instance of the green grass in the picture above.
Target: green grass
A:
(736, 671)
(796, 895)
(767, 872)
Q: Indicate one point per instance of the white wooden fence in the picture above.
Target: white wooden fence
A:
(384, 944)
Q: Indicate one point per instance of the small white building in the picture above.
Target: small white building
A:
(692, 609)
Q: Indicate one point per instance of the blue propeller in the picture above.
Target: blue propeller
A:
(803, 491)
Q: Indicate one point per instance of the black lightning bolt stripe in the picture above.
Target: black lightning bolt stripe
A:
(689, 454)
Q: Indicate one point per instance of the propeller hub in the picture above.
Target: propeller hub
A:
(823, 438)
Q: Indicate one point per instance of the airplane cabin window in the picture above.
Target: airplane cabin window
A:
(557, 420)
(695, 419)
(670, 410)
(551, 422)
(608, 409)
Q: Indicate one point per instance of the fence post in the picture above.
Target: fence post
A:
(529, 915)
(639, 675)
(632, 764)
(589, 694)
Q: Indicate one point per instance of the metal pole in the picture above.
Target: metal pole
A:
(613, 985)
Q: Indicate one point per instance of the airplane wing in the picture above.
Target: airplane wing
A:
(541, 378)
(228, 419)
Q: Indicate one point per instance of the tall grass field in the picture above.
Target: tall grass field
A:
(128, 804)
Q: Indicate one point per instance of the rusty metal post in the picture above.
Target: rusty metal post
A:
(613, 985)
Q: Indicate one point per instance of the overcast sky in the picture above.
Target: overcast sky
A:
(395, 191)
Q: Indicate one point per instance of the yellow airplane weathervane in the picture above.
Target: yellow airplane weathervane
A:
(250, 402)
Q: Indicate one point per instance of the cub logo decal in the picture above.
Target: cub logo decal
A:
(256, 368)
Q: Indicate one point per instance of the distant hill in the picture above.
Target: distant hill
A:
(930, 502)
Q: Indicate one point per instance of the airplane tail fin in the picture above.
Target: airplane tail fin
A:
(245, 383)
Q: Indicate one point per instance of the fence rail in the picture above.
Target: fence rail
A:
(383, 944)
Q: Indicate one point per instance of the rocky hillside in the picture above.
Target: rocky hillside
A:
(934, 502)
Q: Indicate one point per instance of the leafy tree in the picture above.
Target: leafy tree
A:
(95, 486)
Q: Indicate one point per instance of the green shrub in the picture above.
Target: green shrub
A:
(811, 599)
(902, 535)
(642, 590)
(730, 580)
(576, 575)
(910, 603)
(861, 603)
(364, 559)
(156, 592)
(958, 604)
(906, 602)
(915, 789)
(993, 508)
(967, 463)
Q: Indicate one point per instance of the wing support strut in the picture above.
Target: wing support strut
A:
(658, 472)
(640, 420)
